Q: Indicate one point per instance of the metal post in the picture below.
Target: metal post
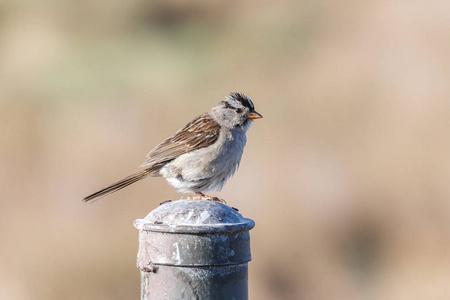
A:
(194, 249)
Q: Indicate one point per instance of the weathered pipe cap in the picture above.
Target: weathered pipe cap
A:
(193, 233)
(194, 249)
(194, 216)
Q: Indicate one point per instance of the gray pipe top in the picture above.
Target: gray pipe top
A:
(194, 216)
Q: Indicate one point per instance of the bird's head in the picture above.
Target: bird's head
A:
(236, 110)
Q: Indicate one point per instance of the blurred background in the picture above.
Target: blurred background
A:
(347, 176)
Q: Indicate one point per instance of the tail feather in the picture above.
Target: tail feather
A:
(118, 185)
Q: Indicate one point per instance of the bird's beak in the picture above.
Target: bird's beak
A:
(254, 115)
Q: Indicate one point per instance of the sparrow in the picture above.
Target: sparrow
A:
(201, 156)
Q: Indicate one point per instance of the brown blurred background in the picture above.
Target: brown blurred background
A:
(347, 176)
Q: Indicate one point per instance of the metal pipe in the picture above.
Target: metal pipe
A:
(194, 249)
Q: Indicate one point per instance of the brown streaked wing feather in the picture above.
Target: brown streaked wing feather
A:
(201, 132)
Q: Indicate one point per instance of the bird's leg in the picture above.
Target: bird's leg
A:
(201, 196)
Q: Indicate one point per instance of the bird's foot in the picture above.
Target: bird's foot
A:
(201, 196)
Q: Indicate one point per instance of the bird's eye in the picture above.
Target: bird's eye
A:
(238, 110)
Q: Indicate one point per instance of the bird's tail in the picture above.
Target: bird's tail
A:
(118, 185)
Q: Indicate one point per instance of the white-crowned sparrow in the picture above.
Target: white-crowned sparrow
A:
(202, 155)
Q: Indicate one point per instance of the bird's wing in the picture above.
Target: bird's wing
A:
(201, 132)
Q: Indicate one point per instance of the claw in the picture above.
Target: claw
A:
(201, 196)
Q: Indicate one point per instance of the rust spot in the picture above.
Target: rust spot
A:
(150, 267)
